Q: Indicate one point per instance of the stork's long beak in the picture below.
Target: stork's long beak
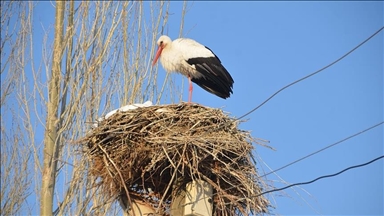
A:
(158, 53)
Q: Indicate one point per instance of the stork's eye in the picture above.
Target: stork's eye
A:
(161, 42)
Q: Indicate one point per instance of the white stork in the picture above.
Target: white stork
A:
(197, 62)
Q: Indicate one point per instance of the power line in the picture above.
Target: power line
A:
(320, 150)
(311, 154)
(329, 146)
(318, 178)
(321, 177)
(318, 71)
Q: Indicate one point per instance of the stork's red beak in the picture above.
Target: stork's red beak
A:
(158, 53)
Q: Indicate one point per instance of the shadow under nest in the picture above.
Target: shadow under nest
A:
(153, 152)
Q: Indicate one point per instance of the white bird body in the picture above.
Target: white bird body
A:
(197, 62)
(180, 50)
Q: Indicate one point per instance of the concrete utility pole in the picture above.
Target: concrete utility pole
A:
(196, 201)
(138, 208)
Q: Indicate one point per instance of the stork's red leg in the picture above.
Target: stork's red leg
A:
(190, 90)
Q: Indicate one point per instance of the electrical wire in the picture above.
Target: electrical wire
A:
(320, 150)
(321, 177)
(316, 179)
(329, 146)
(309, 75)
(311, 154)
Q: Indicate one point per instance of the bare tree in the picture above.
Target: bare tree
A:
(52, 125)
(15, 152)
(98, 60)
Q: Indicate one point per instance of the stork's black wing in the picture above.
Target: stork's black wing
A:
(215, 79)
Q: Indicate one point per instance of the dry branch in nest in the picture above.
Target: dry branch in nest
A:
(153, 152)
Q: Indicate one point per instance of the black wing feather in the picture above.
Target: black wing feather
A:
(215, 79)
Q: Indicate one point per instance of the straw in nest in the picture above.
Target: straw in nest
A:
(153, 152)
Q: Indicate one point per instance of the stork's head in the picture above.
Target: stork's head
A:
(163, 41)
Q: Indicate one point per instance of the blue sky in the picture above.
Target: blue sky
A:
(267, 45)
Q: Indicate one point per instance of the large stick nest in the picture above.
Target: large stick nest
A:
(153, 152)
